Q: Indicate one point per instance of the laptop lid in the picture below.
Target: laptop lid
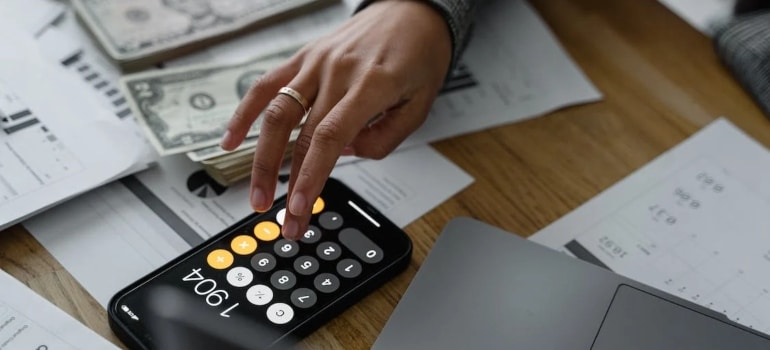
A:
(484, 288)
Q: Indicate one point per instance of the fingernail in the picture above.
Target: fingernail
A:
(290, 230)
(297, 204)
(226, 140)
(258, 200)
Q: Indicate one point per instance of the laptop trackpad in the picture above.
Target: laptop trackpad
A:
(637, 320)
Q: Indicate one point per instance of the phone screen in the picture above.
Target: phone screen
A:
(248, 288)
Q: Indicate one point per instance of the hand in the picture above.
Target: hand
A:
(370, 84)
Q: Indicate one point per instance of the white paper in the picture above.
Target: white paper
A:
(704, 15)
(29, 322)
(55, 140)
(154, 216)
(693, 222)
(33, 16)
(512, 69)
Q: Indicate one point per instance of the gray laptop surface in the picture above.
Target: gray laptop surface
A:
(484, 288)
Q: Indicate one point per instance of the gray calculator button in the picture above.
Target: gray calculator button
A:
(263, 262)
(349, 268)
(326, 283)
(303, 298)
(286, 248)
(360, 245)
(283, 280)
(330, 220)
(328, 251)
(312, 235)
(306, 265)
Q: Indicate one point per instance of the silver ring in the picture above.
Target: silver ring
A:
(296, 96)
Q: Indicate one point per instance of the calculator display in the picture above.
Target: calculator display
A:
(249, 288)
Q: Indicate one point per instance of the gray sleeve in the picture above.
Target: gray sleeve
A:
(744, 47)
(459, 17)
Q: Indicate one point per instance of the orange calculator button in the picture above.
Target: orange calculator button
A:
(243, 245)
(267, 230)
(220, 259)
(318, 206)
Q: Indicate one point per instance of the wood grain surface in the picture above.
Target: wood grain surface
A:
(661, 79)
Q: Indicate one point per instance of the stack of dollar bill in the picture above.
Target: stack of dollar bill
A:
(140, 33)
(186, 110)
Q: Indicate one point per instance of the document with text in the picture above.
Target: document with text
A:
(693, 222)
(29, 322)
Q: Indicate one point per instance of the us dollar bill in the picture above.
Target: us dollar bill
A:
(188, 108)
(139, 33)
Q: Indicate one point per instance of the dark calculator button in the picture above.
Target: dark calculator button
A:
(330, 220)
(326, 283)
(312, 235)
(283, 280)
(306, 265)
(263, 262)
(286, 248)
(349, 268)
(360, 245)
(303, 298)
(328, 251)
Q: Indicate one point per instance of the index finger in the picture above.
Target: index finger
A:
(331, 135)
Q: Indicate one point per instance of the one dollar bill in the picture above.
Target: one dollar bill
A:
(140, 33)
(188, 108)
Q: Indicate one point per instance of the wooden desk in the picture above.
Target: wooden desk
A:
(661, 79)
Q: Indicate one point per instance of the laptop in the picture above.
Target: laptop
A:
(483, 288)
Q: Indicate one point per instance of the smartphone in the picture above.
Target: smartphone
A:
(248, 288)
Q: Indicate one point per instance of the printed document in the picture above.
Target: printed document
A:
(140, 222)
(705, 15)
(29, 322)
(693, 222)
(55, 140)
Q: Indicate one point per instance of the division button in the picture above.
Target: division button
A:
(312, 235)
(330, 220)
(306, 265)
(328, 251)
(220, 259)
(360, 245)
(280, 313)
(303, 298)
(286, 248)
(239, 276)
(259, 294)
(349, 268)
(243, 245)
(326, 283)
(283, 280)
(263, 262)
(267, 231)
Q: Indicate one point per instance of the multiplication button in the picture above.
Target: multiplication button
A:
(239, 276)
(220, 259)
(349, 268)
(259, 294)
(303, 298)
(326, 283)
(280, 313)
